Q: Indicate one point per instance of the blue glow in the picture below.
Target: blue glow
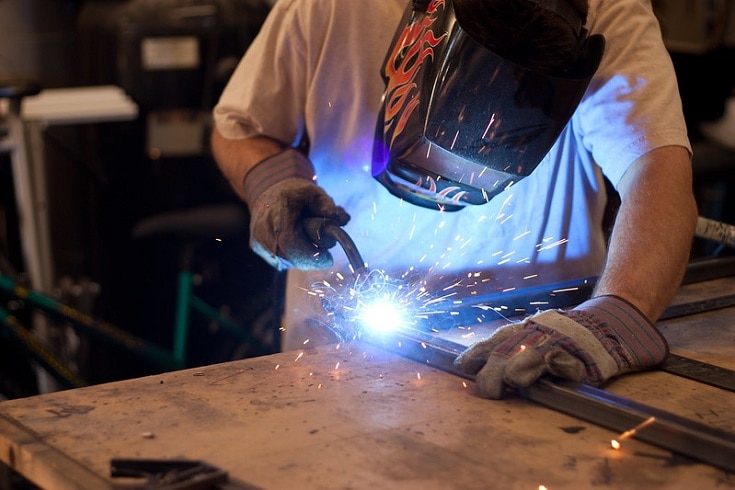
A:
(382, 315)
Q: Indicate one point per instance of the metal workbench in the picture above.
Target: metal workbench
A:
(359, 416)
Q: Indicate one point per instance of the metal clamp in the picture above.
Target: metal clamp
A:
(168, 474)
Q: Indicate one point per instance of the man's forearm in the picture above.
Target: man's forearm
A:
(652, 236)
(236, 157)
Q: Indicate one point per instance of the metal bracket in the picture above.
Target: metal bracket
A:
(168, 474)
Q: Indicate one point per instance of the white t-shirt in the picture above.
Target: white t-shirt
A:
(315, 69)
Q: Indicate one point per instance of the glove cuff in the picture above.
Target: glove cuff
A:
(289, 163)
(645, 343)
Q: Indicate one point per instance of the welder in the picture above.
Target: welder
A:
(466, 143)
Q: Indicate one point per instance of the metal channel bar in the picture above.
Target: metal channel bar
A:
(571, 293)
(699, 371)
(669, 431)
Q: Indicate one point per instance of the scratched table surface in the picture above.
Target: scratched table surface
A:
(356, 416)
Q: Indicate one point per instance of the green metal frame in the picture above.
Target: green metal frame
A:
(175, 358)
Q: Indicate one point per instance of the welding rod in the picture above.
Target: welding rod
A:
(716, 231)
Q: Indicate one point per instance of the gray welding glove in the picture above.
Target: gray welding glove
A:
(603, 337)
(280, 193)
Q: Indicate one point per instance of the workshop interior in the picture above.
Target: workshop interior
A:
(133, 236)
(130, 196)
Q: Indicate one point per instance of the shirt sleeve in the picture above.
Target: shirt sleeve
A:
(633, 104)
(266, 93)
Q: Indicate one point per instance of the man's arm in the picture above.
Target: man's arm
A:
(651, 239)
(236, 157)
(277, 184)
(604, 336)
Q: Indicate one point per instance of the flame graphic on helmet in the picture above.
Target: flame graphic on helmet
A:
(431, 187)
(415, 44)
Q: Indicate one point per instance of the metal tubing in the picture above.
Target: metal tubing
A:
(669, 431)
(716, 231)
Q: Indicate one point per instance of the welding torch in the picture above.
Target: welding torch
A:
(320, 228)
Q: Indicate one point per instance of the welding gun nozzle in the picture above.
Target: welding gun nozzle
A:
(317, 228)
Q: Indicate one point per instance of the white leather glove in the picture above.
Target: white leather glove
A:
(281, 193)
(603, 337)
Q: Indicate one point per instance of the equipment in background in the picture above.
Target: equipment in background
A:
(172, 56)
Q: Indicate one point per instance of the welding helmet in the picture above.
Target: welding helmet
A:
(459, 123)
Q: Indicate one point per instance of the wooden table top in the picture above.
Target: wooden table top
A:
(356, 416)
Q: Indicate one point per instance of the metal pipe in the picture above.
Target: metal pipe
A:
(716, 231)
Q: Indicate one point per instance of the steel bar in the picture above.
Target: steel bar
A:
(669, 431)
(701, 372)
(571, 293)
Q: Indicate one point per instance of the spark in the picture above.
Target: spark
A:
(565, 290)
(521, 235)
(490, 123)
(454, 141)
(418, 375)
(464, 384)
(336, 366)
(615, 443)
(465, 243)
(552, 245)
(277, 366)
(218, 239)
(437, 300)
(301, 354)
